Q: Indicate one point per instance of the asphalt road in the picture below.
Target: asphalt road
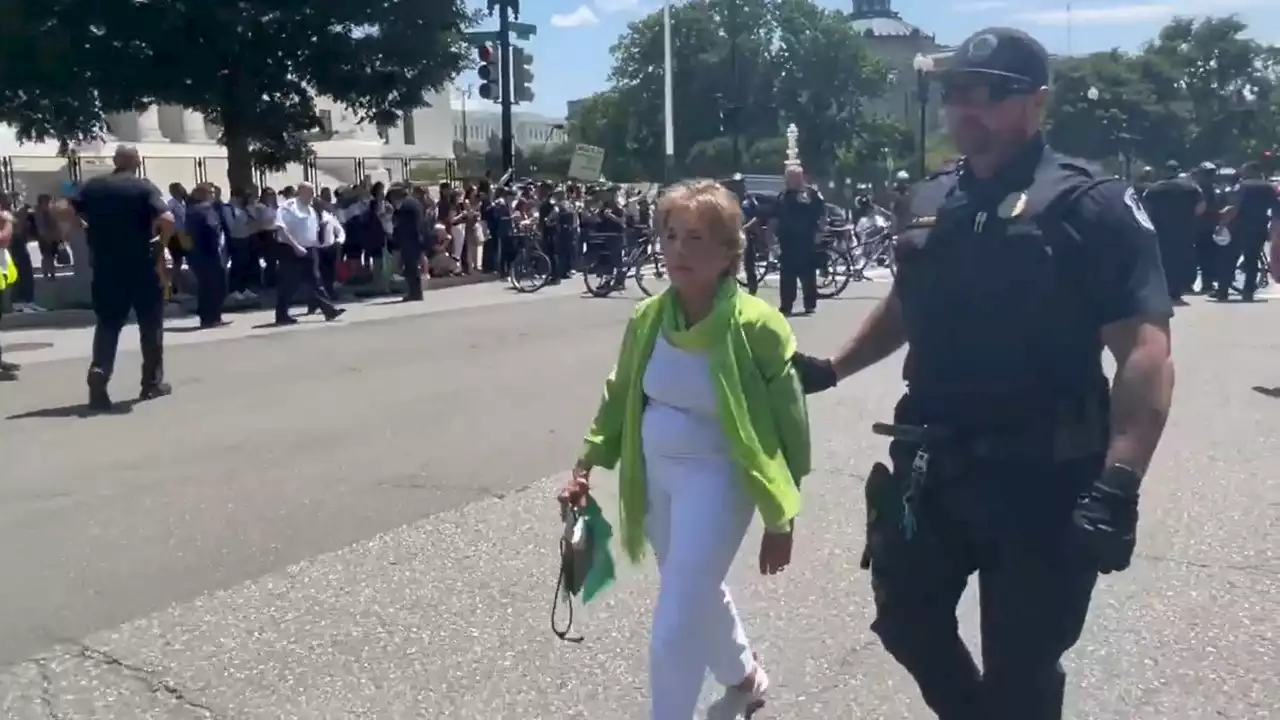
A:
(356, 521)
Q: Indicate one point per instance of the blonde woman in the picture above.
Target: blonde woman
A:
(704, 415)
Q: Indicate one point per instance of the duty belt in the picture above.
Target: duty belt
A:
(1060, 442)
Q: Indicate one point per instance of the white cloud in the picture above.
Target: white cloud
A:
(613, 6)
(582, 17)
(1129, 13)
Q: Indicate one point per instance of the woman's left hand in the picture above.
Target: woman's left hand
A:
(775, 551)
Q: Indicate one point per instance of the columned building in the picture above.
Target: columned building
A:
(180, 145)
(896, 42)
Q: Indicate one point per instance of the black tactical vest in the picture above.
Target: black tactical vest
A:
(998, 325)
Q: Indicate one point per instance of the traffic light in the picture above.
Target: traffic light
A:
(490, 73)
(521, 75)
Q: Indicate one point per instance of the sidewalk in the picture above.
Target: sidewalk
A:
(184, 306)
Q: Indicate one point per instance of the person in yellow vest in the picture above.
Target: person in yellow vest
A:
(705, 417)
(8, 276)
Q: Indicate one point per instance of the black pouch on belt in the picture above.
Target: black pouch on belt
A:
(884, 509)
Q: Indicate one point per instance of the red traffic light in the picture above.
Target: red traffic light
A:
(485, 53)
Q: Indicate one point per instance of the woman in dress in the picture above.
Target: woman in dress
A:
(705, 419)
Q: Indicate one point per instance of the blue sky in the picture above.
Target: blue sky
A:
(571, 49)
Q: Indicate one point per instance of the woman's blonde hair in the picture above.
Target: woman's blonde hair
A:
(717, 209)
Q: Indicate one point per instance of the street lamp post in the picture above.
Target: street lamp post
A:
(1123, 137)
(923, 65)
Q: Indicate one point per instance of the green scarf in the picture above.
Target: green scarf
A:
(708, 333)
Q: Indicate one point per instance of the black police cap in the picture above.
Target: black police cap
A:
(1002, 53)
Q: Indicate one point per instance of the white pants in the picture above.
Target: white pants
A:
(697, 517)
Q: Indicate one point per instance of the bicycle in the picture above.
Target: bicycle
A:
(873, 245)
(1264, 272)
(602, 278)
(834, 267)
(530, 269)
(766, 261)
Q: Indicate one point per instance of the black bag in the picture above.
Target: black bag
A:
(577, 550)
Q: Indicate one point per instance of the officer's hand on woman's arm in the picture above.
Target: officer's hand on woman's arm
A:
(1126, 286)
(880, 336)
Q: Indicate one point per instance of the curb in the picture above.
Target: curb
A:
(84, 317)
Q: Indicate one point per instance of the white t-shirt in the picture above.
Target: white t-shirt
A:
(301, 222)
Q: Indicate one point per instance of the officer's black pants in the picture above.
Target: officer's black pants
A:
(749, 263)
(244, 270)
(508, 245)
(411, 268)
(1177, 251)
(1009, 521)
(562, 261)
(116, 292)
(24, 289)
(1207, 253)
(1247, 246)
(797, 266)
(211, 288)
(295, 271)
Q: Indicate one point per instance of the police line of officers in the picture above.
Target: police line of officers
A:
(1206, 232)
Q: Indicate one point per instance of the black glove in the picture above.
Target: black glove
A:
(815, 375)
(1106, 517)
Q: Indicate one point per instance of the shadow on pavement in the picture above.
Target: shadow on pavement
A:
(1273, 392)
(80, 411)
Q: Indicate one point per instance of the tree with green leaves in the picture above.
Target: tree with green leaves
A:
(782, 61)
(253, 67)
(1201, 90)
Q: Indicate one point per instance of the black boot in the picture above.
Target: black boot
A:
(99, 399)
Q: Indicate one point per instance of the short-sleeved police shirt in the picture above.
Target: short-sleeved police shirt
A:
(799, 213)
(1124, 277)
(1256, 203)
(119, 211)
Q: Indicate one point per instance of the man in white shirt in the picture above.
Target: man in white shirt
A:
(303, 230)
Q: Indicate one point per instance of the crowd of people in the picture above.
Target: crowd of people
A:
(33, 225)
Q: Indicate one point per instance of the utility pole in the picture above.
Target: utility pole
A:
(733, 111)
(504, 53)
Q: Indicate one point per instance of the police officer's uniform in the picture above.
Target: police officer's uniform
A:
(119, 211)
(751, 211)
(1004, 285)
(1174, 204)
(1256, 206)
(799, 214)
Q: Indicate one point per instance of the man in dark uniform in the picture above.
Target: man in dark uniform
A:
(406, 231)
(1254, 205)
(751, 228)
(1176, 205)
(204, 228)
(1011, 456)
(1207, 251)
(799, 211)
(126, 226)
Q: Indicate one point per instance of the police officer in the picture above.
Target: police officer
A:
(753, 222)
(1207, 251)
(799, 212)
(1176, 205)
(204, 228)
(1010, 456)
(407, 217)
(1254, 206)
(126, 225)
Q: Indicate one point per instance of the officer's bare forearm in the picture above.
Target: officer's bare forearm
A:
(1141, 393)
(880, 336)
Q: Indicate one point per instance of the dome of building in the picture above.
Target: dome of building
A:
(877, 19)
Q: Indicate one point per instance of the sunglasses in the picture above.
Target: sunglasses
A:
(983, 94)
